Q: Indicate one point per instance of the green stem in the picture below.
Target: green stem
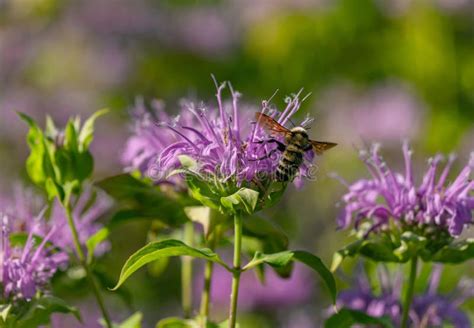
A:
(83, 261)
(187, 272)
(206, 292)
(237, 270)
(409, 292)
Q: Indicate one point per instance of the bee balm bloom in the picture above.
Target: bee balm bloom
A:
(224, 141)
(389, 195)
(28, 269)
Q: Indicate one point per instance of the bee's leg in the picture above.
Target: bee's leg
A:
(280, 145)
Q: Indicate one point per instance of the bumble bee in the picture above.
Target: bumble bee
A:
(297, 143)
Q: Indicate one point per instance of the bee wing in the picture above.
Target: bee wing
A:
(269, 124)
(320, 147)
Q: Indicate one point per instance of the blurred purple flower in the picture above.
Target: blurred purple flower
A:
(275, 292)
(429, 309)
(24, 205)
(220, 139)
(28, 269)
(392, 195)
(85, 217)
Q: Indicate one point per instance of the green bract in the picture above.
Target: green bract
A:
(433, 245)
(227, 197)
(60, 160)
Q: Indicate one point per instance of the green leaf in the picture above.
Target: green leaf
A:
(39, 164)
(139, 200)
(277, 260)
(456, 252)
(283, 258)
(83, 165)
(347, 318)
(94, 241)
(176, 323)
(243, 201)
(50, 128)
(134, 321)
(157, 250)
(40, 312)
(317, 265)
(200, 190)
(70, 137)
(87, 132)
(5, 311)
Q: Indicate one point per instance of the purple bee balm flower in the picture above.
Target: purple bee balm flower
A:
(222, 139)
(25, 204)
(28, 269)
(429, 309)
(388, 194)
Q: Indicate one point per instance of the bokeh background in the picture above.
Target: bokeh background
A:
(377, 70)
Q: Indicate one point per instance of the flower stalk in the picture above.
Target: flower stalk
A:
(206, 292)
(208, 270)
(409, 293)
(83, 261)
(187, 272)
(237, 270)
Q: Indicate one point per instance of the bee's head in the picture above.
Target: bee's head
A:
(298, 136)
(299, 130)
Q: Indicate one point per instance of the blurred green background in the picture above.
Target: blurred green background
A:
(378, 71)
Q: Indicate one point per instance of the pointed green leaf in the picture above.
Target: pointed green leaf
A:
(157, 250)
(283, 258)
(278, 259)
(317, 265)
(39, 164)
(134, 321)
(176, 323)
(94, 241)
(87, 132)
(5, 311)
(347, 318)
(243, 201)
(70, 137)
(200, 190)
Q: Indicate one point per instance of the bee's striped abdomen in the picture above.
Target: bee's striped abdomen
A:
(290, 162)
